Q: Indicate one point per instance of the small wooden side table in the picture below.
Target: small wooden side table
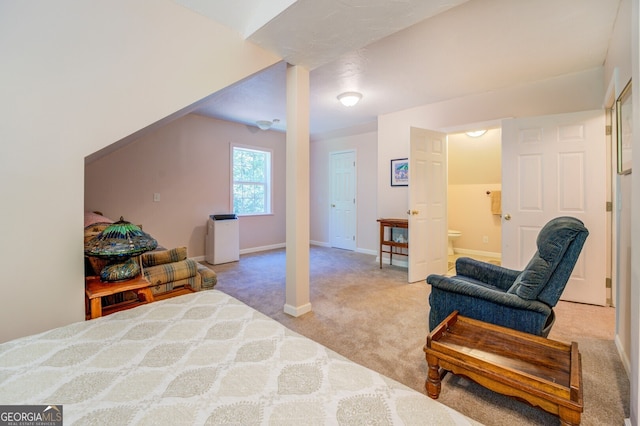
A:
(398, 248)
(543, 372)
(95, 290)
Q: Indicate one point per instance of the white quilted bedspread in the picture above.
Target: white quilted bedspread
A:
(203, 358)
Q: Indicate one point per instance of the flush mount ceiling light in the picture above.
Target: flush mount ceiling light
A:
(266, 124)
(349, 98)
(476, 133)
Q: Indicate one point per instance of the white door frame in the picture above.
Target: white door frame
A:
(612, 188)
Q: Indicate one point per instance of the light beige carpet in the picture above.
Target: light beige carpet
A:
(377, 319)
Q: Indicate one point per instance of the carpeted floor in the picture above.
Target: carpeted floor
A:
(375, 318)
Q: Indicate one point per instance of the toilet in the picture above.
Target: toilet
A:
(453, 234)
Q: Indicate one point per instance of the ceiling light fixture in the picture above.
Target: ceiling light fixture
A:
(476, 133)
(264, 124)
(349, 98)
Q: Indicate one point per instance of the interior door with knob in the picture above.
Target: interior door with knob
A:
(343, 200)
(556, 166)
(427, 212)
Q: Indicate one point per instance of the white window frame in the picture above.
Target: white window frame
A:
(268, 185)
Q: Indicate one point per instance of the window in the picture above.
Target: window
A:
(251, 183)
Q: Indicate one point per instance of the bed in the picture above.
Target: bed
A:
(202, 358)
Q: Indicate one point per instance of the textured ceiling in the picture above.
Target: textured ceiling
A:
(400, 54)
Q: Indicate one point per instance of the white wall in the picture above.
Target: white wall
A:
(575, 92)
(365, 145)
(620, 65)
(635, 224)
(76, 77)
(187, 162)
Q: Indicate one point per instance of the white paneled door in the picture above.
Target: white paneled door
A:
(556, 166)
(427, 204)
(343, 200)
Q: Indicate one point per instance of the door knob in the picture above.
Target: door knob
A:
(413, 212)
(333, 205)
(507, 216)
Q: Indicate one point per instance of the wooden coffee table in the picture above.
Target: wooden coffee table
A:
(543, 372)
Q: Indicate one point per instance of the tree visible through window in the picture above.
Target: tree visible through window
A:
(251, 181)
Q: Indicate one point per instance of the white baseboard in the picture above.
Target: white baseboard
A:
(627, 367)
(262, 248)
(396, 262)
(477, 253)
(296, 311)
(246, 251)
(319, 243)
(367, 251)
(357, 250)
(623, 357)
(283, 245)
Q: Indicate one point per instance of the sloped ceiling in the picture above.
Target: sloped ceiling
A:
(404, 53)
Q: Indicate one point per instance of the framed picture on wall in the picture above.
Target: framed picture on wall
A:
(624, 126)
(400, 172)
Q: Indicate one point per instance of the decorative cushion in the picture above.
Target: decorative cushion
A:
(209, 277)
(194, 283)
(552, 242)
(95, 217)
(162, 257)
(173, 271)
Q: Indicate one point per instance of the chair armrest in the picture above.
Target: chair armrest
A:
(462, 287)
(488, 273)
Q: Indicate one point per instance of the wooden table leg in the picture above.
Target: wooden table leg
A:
(380, 242)
(433, 382)
(144, 294)
(568, 417)
(96, 307)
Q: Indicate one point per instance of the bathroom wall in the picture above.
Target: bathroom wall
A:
(474, 169)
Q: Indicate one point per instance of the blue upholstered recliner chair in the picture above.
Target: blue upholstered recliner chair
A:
(521, 300)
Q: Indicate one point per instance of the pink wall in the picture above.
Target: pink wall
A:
(188, 163)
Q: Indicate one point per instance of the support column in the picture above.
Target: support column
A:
(297, 190)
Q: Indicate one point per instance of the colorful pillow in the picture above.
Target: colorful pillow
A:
(91, 218)
(170, 272)
(162, 257)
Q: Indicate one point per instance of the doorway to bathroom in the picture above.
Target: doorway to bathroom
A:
(474, 195)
